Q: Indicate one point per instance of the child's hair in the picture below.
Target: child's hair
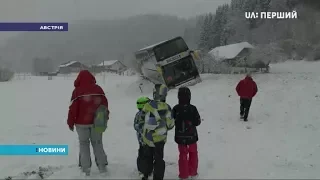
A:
(141, 101)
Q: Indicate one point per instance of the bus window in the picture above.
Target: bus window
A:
(179, 71)
(168, 73)
(170, 49)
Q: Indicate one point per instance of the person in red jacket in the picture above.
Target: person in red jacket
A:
(246, 89)
(86, 98)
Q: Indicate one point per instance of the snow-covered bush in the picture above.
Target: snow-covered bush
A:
(314, 54)
(209, 64)
(264, 54)
(221, 68)
(6, 74)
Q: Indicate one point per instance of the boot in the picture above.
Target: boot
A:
(193, 177)
(144, 178)
(86, 172)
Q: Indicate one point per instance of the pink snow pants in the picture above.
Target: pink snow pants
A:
(188, 160)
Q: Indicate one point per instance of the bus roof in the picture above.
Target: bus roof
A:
(151, 46)
(154, 45)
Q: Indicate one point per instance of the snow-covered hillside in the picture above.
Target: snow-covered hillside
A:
(280, 140)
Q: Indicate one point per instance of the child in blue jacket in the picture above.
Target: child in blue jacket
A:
(138, 126)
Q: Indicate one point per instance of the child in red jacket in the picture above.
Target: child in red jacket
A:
(87, 96)
(246, 89)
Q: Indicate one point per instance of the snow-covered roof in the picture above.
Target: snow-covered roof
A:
(68, 64)
(107, 63)
(229, 51)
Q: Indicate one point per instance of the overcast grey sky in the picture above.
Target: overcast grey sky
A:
(68, 10)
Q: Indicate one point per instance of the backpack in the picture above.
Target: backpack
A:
(101, 118)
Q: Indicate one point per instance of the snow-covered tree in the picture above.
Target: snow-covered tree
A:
(297, 38)
(6, 74)
(218, 33)
(264, 5)
(264, 54)
(226, 31)
(250, 6)
(204, 42)
(237, 4)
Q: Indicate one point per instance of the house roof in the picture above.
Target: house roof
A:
(229, 51)
(107, 63)
(68, 63)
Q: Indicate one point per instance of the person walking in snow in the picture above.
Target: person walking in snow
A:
(187, 118)
(158, 121)
(246, 89)
(87, 98)
(138, 126)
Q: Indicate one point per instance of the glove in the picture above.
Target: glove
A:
(108, 115)
(142, 143)
(71, 128)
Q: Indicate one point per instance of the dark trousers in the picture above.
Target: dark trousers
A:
(140, 158)
(152, 159)
(245, 107)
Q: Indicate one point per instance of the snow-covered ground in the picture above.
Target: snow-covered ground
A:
(280, 140)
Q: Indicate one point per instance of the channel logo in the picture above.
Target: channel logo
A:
(43, 150)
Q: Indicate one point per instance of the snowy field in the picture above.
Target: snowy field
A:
(280, 140)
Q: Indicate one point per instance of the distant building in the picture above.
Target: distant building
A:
(233, 54)
(236, 56)
(42, 66)
(71, 67)
(109, 66)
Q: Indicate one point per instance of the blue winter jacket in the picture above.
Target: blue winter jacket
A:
(138, 126)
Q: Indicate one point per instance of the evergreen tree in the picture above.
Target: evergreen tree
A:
(205, 32)
(225, 33)
(251, 6)
(237, 4)
(217, 28)
(264, 5)
(229, 25)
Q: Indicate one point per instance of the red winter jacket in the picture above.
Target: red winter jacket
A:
(86, 98)
(247, 88)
